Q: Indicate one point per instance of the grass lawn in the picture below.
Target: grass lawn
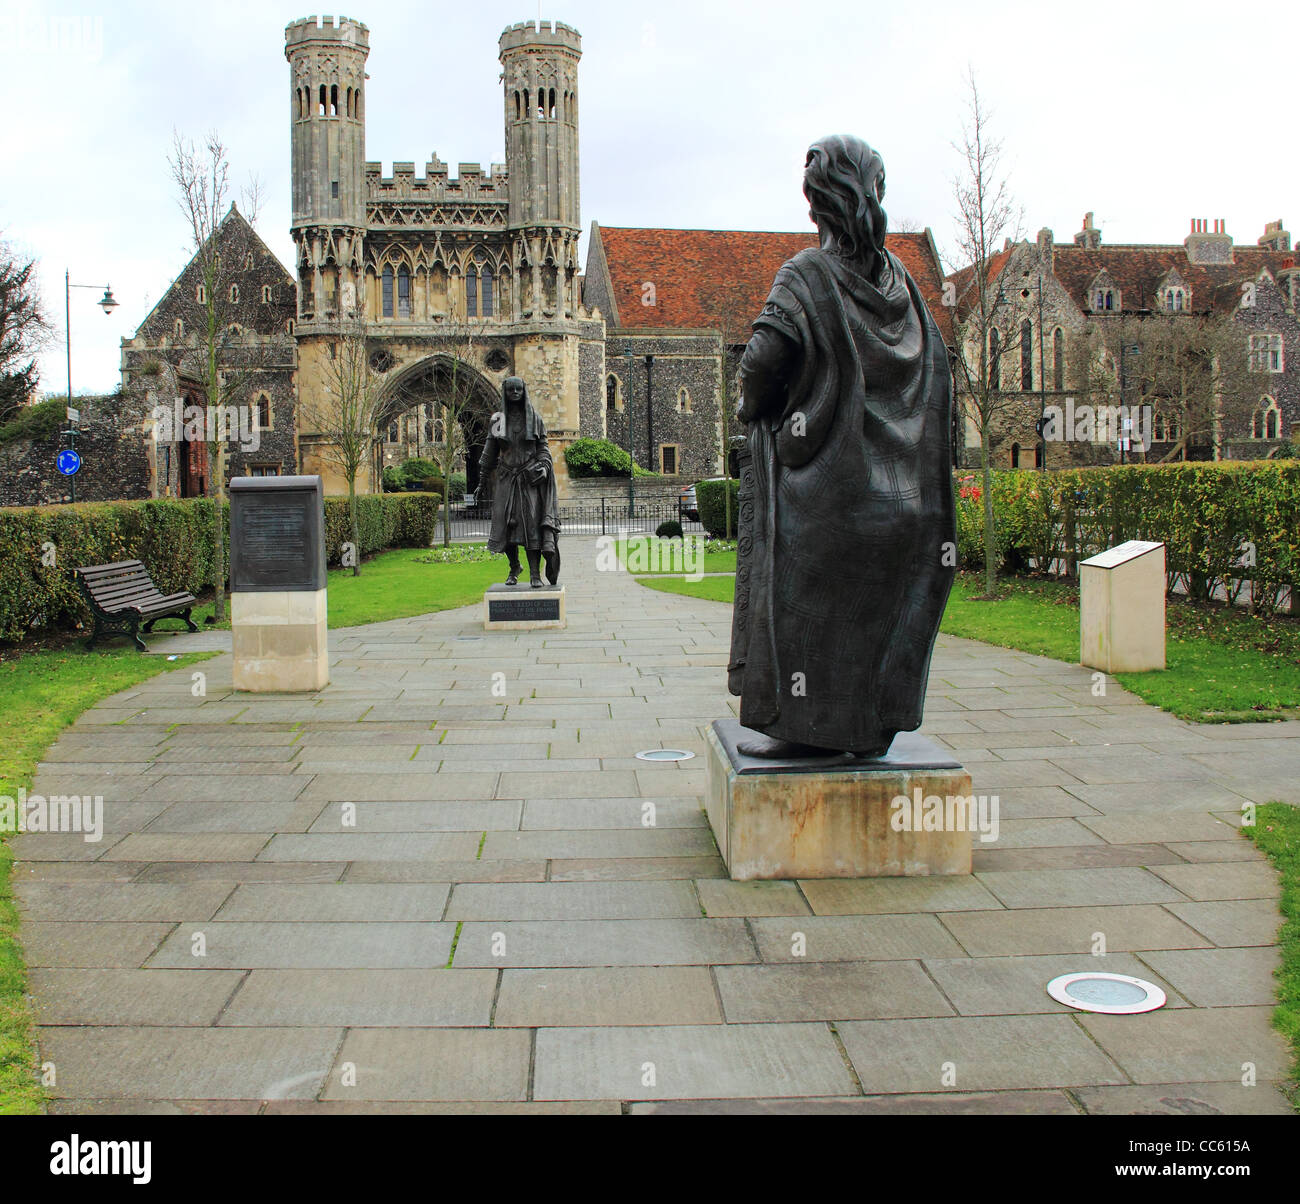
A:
(650, 555)
(1224, 666)
(40, 694)
(397, 585)
(44, 689)
(1277, 832)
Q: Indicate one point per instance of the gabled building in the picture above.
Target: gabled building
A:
(163, 365)
(1054, 299)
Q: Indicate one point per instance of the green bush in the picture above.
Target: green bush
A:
(416, 472)
(671, 529)
(711, 503)
(596, 458)
(1213, 518)
(394, 480)
(458, 485)
(43, 420)
(41, 545)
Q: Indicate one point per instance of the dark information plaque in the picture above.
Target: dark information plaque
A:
(277, 534)
(523, 610)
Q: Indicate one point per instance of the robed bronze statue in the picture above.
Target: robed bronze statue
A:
(525, 512)
(847, 535)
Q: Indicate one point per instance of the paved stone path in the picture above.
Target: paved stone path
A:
(430, 886)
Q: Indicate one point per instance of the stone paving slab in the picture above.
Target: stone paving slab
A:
(335, 849)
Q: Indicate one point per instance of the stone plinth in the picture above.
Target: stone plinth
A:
(1122, 608)
(835, 817)
(280, 639)
(522, 608)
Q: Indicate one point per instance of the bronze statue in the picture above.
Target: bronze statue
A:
(847, 536)
(524, 507)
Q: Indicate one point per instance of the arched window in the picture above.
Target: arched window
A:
(403, 293)
(683, 400)
(1058, 359)
(263, 413)
(518, 110)
(178, 329)
(528, 109)
(322, 101)
(234, 293)
(288, 327)
(428, 431)
(299, 93)
(386, 293)
(334, 100)
(611, 394)
(995, 359)
(201, 294)
(550, 105)
(1267, 422)
(1015, 455)
(266, 294)
(471, 292)
(486, 279)
(248, 262)
(1104, 299)
(1026, 355)
(392, 432)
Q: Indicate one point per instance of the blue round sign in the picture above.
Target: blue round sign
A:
(68, 462)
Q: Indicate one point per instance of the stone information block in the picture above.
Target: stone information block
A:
(278, 612)
(840, 816)
(1122, 608)
(522, 608)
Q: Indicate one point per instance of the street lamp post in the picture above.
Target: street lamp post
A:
(649, 413)
(108, 304)
(628, 359)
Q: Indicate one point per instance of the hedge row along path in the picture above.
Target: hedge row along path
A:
(500, 929)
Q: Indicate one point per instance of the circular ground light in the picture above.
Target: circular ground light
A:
(664, 754)
(1113, 994)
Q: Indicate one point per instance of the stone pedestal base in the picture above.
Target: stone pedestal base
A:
(836, 817)
(522, 608)
(281, 641)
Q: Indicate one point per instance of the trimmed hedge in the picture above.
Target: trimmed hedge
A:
(172, 537)
(596, 458)
(1221, 523)
(711, 503)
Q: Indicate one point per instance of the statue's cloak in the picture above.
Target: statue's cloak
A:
(525, 504)
(847, 530)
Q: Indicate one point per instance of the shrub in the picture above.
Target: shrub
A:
(43, 420)
(416, 472)
(671, 529)
(711, 503)
(172, 537)
(458, 484)
(394, 480)
(596, 458)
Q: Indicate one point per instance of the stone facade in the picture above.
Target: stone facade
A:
(1058, 298)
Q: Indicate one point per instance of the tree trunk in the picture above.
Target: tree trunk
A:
(990, 536)
(446, 510)
(356, 528)
(219, 536)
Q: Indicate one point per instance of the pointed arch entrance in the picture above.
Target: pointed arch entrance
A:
(442, 389)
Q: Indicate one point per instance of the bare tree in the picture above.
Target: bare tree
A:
(24, 330)
(226, 360)
(987, 217)
(347, 414)
(1193, 370)
(734, 319)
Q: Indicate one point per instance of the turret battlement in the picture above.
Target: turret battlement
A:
(470, 184)
(326, 29)
(542, 34)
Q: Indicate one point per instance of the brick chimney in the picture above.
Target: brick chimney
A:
(1275, 238)
(1089, 237)
(1208, 246)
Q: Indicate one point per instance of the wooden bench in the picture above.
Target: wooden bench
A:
(122, 596)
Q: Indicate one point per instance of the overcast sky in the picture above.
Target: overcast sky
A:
(695, 113)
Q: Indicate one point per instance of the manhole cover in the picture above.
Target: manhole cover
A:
(1114, 994)
(664, 754)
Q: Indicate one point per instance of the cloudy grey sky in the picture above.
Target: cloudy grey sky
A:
(696, 113)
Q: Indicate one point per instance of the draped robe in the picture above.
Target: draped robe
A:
(848, 532)
(525, 506)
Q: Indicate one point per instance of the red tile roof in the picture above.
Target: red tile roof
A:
(699, 275)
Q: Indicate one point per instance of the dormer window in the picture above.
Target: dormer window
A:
(1103, 300)
(1175, 300)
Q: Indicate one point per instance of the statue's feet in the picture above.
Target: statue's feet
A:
(513, 579)
(535, 581)
(773, 749)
